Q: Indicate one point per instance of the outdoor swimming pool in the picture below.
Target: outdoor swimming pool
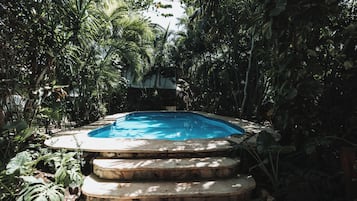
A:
(176, 126)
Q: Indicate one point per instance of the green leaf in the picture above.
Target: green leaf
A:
(25, 134)
(348, 65)
(32, 179)
(42, 192)
(18, 163)
(18, 125)
(267, 31)
(61, 176)
(41, 198)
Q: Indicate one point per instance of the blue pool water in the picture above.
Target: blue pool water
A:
(166, 126)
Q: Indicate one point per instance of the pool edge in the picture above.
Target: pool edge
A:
(77, 139)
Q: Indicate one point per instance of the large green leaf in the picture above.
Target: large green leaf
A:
(19, 163)
(18, 125)
(42, 192)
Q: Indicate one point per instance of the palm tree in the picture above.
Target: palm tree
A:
(108, 41)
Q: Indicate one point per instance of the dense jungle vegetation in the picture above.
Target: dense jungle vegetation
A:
(286, 62)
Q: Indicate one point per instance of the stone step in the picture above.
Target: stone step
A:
(237, 189)
(166, 169)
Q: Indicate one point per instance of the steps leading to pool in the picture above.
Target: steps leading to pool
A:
(162, 170)
(237, 189)
(168, 179)
(166, 169)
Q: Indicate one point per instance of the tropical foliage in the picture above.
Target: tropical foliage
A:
(61, 60)
(289, 63)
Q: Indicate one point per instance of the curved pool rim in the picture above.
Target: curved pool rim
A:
(78, 139)
(224, 128)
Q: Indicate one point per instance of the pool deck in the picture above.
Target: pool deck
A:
(77, 139)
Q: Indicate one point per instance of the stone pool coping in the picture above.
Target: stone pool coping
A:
(77, 139)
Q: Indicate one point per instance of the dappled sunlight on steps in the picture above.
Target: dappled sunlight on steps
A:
(237, 188)
(166, 169)
(170, 179)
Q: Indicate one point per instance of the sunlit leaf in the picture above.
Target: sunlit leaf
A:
(18, 163)
(42, 192)
(25, 134)
(32, 179)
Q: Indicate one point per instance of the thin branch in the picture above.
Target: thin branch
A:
(247, 74)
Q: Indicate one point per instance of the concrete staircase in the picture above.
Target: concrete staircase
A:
(203, 178)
